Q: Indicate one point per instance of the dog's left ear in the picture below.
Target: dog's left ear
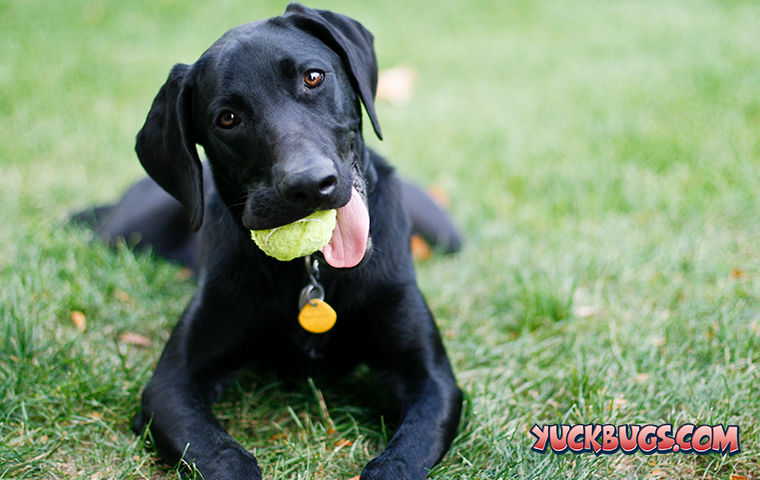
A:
(352, 42)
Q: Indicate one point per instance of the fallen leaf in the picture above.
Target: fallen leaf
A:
(657, 473)
(135, 339)
(396, 85)
(737, 273)
(123, 296)
(642, 377)
(185, 274)
(80, 321)
(343, 443)
(737, 477)
(420, 249)
(439, 196)
(584, 311)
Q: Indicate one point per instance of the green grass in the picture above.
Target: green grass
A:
(601, 156)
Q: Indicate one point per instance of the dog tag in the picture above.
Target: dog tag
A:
(317, 316)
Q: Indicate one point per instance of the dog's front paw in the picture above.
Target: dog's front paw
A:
(384, 468)
(233, 463)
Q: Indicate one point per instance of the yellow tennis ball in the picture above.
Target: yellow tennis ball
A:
(300, 238)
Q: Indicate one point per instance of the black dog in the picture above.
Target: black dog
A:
(276, 105)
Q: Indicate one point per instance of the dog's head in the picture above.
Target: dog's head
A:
(276, 105)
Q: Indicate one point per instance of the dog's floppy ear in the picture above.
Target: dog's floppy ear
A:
(352, 42)
(166, 145)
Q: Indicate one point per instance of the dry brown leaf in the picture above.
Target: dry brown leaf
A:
(343, 443)
(439, 196)
(585, 311)
(737, 477)
(123, 296)
(184, 274)
(80, 321)
(738, 273)
(135, 339)
(396, 84)
(420, 248)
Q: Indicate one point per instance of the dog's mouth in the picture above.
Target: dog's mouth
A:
(350, 238)
(349, 242)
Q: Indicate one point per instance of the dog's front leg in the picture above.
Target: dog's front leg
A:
(197, 362)
(412, 361)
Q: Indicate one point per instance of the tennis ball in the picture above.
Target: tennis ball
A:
(297, 239)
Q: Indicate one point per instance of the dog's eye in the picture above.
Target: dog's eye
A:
(228, 120)
(313, 78)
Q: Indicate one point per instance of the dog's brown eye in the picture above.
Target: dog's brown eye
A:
(228, 120)
(313, 78)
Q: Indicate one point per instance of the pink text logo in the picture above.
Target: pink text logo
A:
(648, 439)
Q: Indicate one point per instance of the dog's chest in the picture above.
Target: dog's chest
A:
(310, 346)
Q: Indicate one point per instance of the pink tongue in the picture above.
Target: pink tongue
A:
(349, 241)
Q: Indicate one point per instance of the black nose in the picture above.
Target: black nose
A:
(312, 187)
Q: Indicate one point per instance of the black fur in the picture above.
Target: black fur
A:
(293, 150)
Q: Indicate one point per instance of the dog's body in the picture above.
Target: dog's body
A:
(276, 106)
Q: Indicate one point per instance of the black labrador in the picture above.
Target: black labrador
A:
(276, 105)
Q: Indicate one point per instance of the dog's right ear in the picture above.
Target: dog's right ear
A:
(166, 145)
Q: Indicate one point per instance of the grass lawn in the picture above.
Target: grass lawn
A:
(601, 156)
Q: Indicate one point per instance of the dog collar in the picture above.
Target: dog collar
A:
(315, 316)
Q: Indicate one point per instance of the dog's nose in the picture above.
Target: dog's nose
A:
(311, 187)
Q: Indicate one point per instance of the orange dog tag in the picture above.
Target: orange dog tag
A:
(317, 316)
